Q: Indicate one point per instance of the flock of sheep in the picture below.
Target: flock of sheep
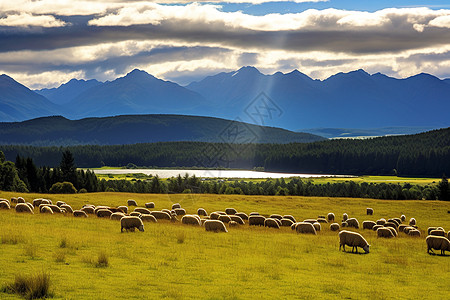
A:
(437, 238)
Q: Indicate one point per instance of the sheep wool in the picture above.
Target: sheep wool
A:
(142, 210)
(403, 218)
(117, 216)
(354, 240)
(233, 224)
(130, 223)
(276, 216)
(88, 210)
(131, 202)
(317, 226)
(46, 210)
(412, 222)
(230, 211)
(286, 222)
(305, 227)
(414, 232)
(243, 216)
(176, 205)
(4, 205)
(80, 213)
(123, 209)
(437, 232)
(437, 243)
(23, 208)
(353, 222)
(104, 213)
(67, 207)
(330, 217)
(148, 218)
(180, 211)
(402, 227)
(271, 223)
(322, 220)
(214, 216)
(136, 214)
(190, 220)
(394, 232)
(149, 205)
(369, 211)
(344, 217)
(408, 229)
(254, 213)
(161, 215)
(215, 226)
(368, 224)
(256, 220)
(237, 219)
(334, 227)
(312, 221)
(375, 228)
(290, 217)
(202, 212)
(381, 221)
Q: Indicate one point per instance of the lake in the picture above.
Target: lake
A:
(167, 173)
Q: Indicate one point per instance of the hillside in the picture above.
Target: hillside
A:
(134, 129)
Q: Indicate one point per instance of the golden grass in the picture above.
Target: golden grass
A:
(176, 261)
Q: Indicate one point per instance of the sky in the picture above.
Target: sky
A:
(44, 43)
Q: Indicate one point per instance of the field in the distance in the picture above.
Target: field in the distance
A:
(177, 261)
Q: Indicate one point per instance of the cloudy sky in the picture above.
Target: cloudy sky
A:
(44, 43)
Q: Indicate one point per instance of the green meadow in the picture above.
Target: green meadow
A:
(91, 259)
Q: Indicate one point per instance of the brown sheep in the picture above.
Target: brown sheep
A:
(20, 200)
(117, 216)
(88, 209)
(368, 224)
(123, 209)
(215, 226)
(130, 223)
(402, 227)
(161, 215)
(135, 214)
(437, 232)
(412, 222)
(254, 213)
(271, 223)
(322, 220)
(403, 218)
(344, 224)
(190, 220)
(344, 217)
(214, 216)
(80, 213)
(290, 217)
(276, 216)
(369, 211)
(312, 221)
(354, 240)
(334, 227)
(305, 227)
(224, 218)
(131, 202)
(46, 210)
(256, 220)
(202, 212)
(396, 222)
(414, 232)
(180, 211)
(13, 199)
(391, 224)
(59, 203)
(176, 205)
(30, 205)
(37, 202)
(331, 217)
(4, 205)
(375, 228)
(142, 210)
(381, 221)
(392, 229)
(233, 224)
(286, 222)
(408, 229)
(148, 218)
(437, 243)
(167, 211)
(149, 205)
(67, 207)
(104, 213)
(353, 222)
(23, 208)
(243, 216)
(237, 219)
(230, 211)
(317, 226)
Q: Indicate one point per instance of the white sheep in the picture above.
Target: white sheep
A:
(215, 225)
(437, 243)
(354, 240)
(130, 223)
(305, 227)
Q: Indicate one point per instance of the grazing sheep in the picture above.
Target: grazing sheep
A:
(30, 205)
(437, 243)
(116, 216)
(392, 229)
(381, 221)
(230, 211)
(136, 214)
(60, 203)
(67, 207)
(80, 213)
(13, 199)
(369, 211)
(190, 220)
(130, 223)
(254, 213)
(150, 205)
(375, 228)
(142, 210)
(384, 232)
(114, 209)
(317, 226)
(312, 221)
(233, 224)
(215, 225)
(243, 215)
(214, 216)
(344, 217)
(180, 211)
(276, 216)
(398, 220)
(46, 210)
(397, 223)
(414, 232)
(20, 200)
(448, 235)
(23, 208)
(402, 227)
(334, 227)
(353, 222)
(430, 229)
(368, 224)
(305, 227)
(408, 229)
(294, 226)
(391, 224)
(176, 205)
(4, 205)
(437, 232)
(354, 240)
(37, 202)
(290, 217)
(322, 220)
(148, 218)
(88, 209)
(104, 213)
(202, 212)
(344, 224)
(224, 218)
(167, 211)
(237, 219)
(412, 222)
(256, 220)
(403, 218)
(331, 217)
(271, 223)
(286, 222)
(123, 209)
(161, 215)
(131, 202)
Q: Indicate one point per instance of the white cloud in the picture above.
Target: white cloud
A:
(442, 21)
(28, 20)
(44, 79)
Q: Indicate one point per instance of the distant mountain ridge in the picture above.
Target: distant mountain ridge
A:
(345, 100)
(132, 129)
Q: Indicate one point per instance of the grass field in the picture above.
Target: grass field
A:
(176, 261)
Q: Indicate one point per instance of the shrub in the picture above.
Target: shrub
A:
(82, 191)
(30, 286)
(63, 188)
(102, 260)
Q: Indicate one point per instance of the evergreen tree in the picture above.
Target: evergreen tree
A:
(444, 191)
(68, 168)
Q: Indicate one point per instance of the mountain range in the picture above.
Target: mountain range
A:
(133, 129)
(292, 100)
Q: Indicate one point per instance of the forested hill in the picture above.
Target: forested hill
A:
(132, 129)
(425, 154)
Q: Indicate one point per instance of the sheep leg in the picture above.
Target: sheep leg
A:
(121, 229)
